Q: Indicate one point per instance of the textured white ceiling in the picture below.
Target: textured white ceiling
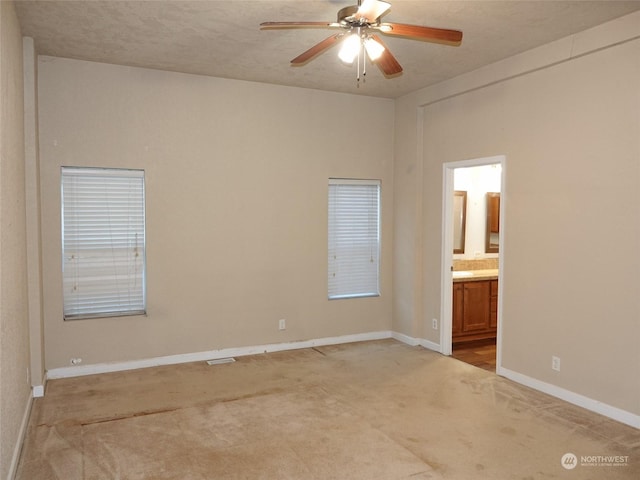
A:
(223, 39)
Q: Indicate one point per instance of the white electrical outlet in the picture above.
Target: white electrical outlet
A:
(282, 324)
(555, 363)
(434, 323)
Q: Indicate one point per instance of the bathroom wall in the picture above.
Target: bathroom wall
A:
(476, 181)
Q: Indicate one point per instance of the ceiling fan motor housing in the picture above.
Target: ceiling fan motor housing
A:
(346, 12)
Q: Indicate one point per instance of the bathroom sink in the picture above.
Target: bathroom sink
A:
(462, 273)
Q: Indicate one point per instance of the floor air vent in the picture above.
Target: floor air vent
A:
(220, 361)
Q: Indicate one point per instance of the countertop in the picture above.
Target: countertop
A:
(475, 275)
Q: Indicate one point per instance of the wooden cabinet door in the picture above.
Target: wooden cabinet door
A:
(493, 318)
(458, 308)
(476, 306)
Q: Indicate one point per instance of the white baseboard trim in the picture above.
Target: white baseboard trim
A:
(77, 371)
(17, 449)
(429, 345)
(587, 403)
(401, 337)
(413, 341)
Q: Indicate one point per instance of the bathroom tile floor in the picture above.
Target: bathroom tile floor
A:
(479, 353)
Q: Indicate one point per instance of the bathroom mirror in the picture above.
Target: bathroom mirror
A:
(459, 220)
(493, 223)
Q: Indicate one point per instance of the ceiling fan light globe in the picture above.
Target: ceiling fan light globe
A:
(374, 49)
(350, 49)
(370, 10)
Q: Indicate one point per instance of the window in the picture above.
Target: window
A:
(103, 242)
(354, 238)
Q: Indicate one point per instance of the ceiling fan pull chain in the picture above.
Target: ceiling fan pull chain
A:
(358, 61)
(364, 65)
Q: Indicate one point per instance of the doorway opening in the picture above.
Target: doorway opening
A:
(473, 246)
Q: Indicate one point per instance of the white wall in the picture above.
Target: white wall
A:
(236, 178)
(14, 322)
(566, 117)
(476, 181)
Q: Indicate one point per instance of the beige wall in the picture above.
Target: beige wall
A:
(14, 340)
(236, 199)
(570, 130)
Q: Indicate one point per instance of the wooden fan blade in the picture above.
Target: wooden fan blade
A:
(387, 62)
(317, 49)
(427, 34)
(370, 10)
(282, 25)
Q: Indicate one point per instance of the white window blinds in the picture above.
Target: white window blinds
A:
(354, 238)
(103, 242)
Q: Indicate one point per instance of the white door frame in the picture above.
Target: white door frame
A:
(446, 308)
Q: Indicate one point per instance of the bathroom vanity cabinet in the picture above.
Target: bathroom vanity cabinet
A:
(475, 310)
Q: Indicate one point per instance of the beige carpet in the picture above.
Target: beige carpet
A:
(373, 410)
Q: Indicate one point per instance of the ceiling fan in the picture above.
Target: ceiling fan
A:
(359, 25)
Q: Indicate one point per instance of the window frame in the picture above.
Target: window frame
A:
(375, 248)
(135, 179)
